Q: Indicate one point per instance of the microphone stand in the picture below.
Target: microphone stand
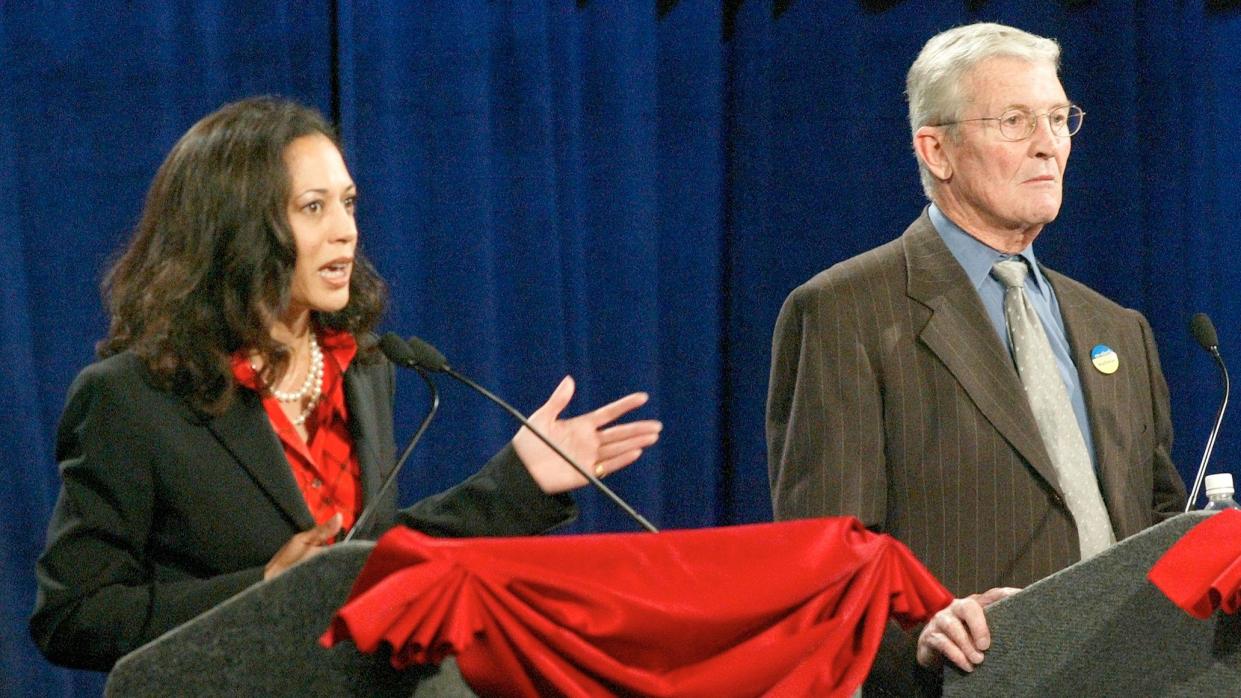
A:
(1219, 419)
(426, 421)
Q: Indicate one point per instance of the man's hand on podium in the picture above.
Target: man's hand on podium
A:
(959, 632)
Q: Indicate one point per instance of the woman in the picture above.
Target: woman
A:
(240, 416)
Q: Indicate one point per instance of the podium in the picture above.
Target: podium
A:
(1099, 628)
(790, 608)
(264, 641)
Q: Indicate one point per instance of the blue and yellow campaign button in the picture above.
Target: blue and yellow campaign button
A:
(1104, 359)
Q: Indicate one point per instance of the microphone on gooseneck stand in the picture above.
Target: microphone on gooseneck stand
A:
(431, 359)
(398, 352)
(1204, 331)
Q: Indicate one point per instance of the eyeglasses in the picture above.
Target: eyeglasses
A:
(1019, 124)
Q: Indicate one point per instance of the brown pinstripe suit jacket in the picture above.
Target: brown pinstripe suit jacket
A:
(893, 399)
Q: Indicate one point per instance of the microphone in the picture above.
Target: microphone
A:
(399, 353)
(430, 358)
(1204, 331)
(425, 355)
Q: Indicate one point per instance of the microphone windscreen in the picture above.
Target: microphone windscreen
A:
(397, 351)
(1204, 331)
(426, 355)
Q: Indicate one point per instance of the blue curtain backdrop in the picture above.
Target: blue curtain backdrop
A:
(622, 191)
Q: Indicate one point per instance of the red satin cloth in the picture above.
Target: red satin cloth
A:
(1202, 571)
(784, 609)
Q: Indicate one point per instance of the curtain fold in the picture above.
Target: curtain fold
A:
(94, 95)
(548, 188)
(27, 488)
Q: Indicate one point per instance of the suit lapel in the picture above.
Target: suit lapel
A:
(245, 432)
(361, 400)
(962, 337)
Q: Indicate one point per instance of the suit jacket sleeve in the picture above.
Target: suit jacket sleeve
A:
(98, 593)
(824, 412)
(826, 443)
(1168, 498)
(501, 499)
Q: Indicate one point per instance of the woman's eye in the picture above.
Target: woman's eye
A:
(313, 207)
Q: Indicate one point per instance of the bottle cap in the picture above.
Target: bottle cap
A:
(1218, 483)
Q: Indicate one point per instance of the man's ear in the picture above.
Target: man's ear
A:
(930, 143)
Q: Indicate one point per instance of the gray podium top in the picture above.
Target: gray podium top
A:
(1099, 628)
(265, 641)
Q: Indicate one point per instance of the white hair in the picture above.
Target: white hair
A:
(933, 85)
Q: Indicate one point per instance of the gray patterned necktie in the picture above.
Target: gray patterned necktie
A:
(1049, 400)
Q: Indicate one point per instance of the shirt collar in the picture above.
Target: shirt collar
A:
(975, 257)
(339, 348)
(337, 345)
(340, 345)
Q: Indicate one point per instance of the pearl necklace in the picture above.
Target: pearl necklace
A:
(312, 386)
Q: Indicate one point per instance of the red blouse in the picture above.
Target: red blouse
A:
(325, 466)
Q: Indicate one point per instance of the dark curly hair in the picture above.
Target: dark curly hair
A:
(209, 268)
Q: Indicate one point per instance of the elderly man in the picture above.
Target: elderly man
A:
(1002, 420)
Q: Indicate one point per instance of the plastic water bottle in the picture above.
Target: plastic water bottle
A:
(1219, 492)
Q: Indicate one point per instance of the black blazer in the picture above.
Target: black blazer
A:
(164, 513)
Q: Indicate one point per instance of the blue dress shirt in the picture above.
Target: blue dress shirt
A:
(977, 259)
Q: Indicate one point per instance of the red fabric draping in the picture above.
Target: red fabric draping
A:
(789, 609)
(1202, 571)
